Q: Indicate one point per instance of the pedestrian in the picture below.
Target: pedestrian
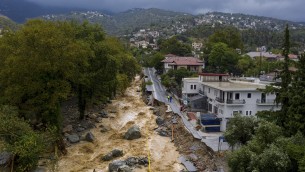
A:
(170, 99)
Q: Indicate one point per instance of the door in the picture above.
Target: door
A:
(263, 98)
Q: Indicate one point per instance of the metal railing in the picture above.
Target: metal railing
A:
(265, 101)
(220, 100)
(243, 101)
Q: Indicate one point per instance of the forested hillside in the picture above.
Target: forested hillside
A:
(42, 65)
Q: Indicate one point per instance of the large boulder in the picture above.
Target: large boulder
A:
(113, 154)
(5, 158)
(124, 168)
(73, 138)
(160, 121)
(116, 165)
(133, 133)
(89, 137)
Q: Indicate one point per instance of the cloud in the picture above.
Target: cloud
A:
(284, 9)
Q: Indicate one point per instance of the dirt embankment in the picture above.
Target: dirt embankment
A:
(204, 158)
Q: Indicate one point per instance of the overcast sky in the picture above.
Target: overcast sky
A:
(283, 9)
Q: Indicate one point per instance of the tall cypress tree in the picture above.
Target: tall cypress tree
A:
(283, 96)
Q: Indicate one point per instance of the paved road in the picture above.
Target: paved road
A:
(161, 95)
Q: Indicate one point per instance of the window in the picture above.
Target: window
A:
(236, 96)
(194, 87)
(248, 112)
(191, 87)
(249, 95)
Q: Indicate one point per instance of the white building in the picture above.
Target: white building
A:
(226, 97)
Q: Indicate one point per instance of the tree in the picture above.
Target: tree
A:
(222, 59)
(283, 94)
(240, 130)
(296, 110)
(20, 140)
(262, 152)
(38, 64)
(174, 46)
(229, 35)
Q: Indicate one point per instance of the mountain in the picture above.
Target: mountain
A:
(128, 21)
(5, 22)
(170, 23)
(21, 10)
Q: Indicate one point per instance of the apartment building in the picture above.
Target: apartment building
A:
(226, 96)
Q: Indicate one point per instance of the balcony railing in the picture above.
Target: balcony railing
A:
(265, 101)
(220, 100)
(243, 101)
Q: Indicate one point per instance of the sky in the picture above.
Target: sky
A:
(293, 10)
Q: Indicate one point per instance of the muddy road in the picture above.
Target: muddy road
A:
(129, 110)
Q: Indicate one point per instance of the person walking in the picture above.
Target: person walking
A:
(170, 99)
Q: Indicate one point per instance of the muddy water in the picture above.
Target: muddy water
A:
(130, 110)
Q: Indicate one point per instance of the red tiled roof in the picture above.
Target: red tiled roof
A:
(214, 74)
(183, 61)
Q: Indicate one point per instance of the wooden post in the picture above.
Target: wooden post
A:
(12, 167)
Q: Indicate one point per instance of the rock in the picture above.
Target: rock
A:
(133, 133)
(103, 114)
(80, 129)
(73, 138)
(89, 137)
(163, 133)
(115, 165)
(156, 112)
(193, 157)
(5, 158)
(151, 108)
(98, 119)
(87, 124)
(132, 161)
(143, 161)
(107, 157)
(67, 129)
(113, 154)
(124, 168)
(160, 121)
(117, 153)
(92, 116)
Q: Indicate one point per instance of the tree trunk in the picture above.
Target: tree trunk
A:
(81, 102)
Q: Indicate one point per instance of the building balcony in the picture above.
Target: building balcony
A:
(230, 102)
(265, 102)
(220, 100)
(243, 101)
